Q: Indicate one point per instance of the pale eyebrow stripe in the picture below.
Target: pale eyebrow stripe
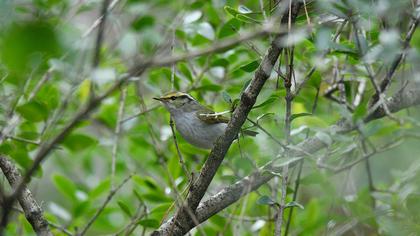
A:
(189, 96)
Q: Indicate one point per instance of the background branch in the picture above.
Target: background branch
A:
(30, 207)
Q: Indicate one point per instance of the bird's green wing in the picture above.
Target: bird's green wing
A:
(208, 116)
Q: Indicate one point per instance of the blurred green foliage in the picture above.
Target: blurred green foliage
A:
(50, 41)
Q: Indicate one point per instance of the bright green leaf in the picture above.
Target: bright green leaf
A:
(149, 223)
(185, 71)
(251, 66)
(294, 116)
(65, 186)
(33, 111)
(266, 200)
(78, 142)
(294, 204)
(125, 208)
(143, 22)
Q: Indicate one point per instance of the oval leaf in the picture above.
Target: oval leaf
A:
(294, 116)
(125, 208)
(266, 200)
(33, 111)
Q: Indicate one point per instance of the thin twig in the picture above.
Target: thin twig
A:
(24, 140)
(300, 167)
(379, 96)
(100, 35)
(104, 204)
(61, 228)
(142, 112)
(140, 213)
(99, 20)
(181, 158)
(267, 133)
(323, 54)
(397, 61)
(159, 62)
(117, 132)
(287, 127)
(384, 148)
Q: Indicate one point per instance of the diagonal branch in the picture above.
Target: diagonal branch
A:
(397, 61)
(31, 208)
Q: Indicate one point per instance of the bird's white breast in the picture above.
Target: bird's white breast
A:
(196, 132)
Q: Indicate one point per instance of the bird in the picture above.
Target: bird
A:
(197, 124)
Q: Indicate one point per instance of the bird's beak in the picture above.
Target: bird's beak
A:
(159, 99)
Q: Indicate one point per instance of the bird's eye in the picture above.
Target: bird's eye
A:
(173, 98)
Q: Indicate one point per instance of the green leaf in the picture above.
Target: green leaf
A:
(183, 68)
(209, 87)
(315, 79)
(180, 34)
(266, 200)
(199, 39)
(138, 195)
(33, 111)
(161, 208)
(157, 197)
(260, 117)
(212, 14)
(146, 181)
(27, 43)
(49, 95)
(149, 223)
(251, 66)
(81, 208)
(280, 162)
(294, 204)
(226, 97)
(125, 208)
(143, 22)
(247, 19)
(229, 28)
(78, 142)
(231, 11)
(270, 100)
(220, 62)
(65, 186)
(294, 116)
(20, 155)
(102, 187)
(344, 48)
(360, 111)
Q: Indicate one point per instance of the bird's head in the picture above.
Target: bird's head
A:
(177, 101)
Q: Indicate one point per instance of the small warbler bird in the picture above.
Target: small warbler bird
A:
(196, 123)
